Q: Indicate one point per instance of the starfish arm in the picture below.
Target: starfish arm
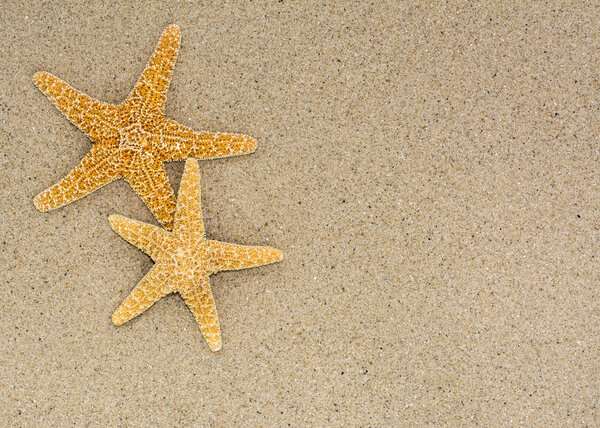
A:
(93, 117)
(94, 171)
(232, 256)
(178, 142)
(188, 213)
(200, 300)
(151, 183)
(150, 92)
(148, 238)
(152, 287)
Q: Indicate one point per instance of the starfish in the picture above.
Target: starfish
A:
(184, 259)
(133, 139)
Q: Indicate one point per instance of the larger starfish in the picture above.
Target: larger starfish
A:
(133, 139)
(184, 259)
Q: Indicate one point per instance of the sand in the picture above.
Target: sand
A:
(431, 173)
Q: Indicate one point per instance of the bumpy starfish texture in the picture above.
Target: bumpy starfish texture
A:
(133, 139)
(184, 260)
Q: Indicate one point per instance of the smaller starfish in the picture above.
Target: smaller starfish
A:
(133, 139)
(184, 259)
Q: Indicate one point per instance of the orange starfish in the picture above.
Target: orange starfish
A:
(184, 259)
(133, 139)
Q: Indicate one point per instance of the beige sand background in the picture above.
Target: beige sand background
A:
(430, 171)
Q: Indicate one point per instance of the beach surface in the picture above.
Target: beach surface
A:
(430, 171)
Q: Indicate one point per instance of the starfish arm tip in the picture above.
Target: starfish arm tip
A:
(114, 220)
(242, 144)
(273, 255)
(37, 77)
(117, 319)
(279, 255)
(39, 203)
(215, 345)
(42, 79)
(252, 144)
(173, 31)
(118, 223)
